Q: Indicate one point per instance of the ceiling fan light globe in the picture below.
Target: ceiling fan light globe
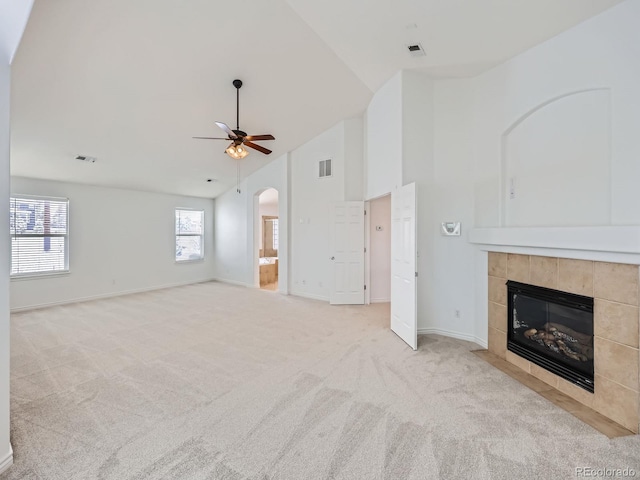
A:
(236, 152)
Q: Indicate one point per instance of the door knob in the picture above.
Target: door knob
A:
(333, 258)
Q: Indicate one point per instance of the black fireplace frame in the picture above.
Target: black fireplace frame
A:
(566, 299)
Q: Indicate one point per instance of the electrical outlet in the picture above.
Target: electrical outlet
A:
(456, 313)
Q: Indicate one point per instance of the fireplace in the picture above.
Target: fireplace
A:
(614, 288)
(552, 329)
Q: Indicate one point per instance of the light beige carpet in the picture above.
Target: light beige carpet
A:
(213, 381)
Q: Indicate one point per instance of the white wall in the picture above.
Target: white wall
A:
(354, 146)
(380, 249)
(311, 197)
(237, 227)
(435, 154)
(13, 18)
(119, 241)
(5, 248)
(231, 238)
(451, 304)
(556, 170)
(601, 53)
(474, 122)
(384, 139)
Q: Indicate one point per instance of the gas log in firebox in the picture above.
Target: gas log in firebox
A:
(552, 329)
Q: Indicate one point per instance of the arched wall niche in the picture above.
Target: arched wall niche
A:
(556, 163)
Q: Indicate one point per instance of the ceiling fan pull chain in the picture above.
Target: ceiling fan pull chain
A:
(238, 177)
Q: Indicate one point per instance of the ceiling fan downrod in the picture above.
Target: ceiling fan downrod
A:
(237, 83)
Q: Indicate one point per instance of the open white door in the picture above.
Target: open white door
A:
(404, 321)
(347, 253)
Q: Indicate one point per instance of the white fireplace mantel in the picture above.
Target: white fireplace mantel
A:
(608, 244)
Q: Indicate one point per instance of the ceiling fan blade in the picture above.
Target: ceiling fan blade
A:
(227, 130)
(211, 138)
(251, 138)
(266, 151)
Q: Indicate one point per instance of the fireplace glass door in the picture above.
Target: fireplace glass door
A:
(552, 329)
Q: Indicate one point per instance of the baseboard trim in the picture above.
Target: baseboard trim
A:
(380, 300)
(310, 296)
(449, 333)
(108, 295)
(7, 461)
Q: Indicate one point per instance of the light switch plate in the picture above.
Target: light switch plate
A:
(450, 229)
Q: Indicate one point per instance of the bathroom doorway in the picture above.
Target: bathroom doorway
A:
(269, 236)
(379, 249)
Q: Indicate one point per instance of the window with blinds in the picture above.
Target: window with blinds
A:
(189, 235)
(39, 230)
(275, 233)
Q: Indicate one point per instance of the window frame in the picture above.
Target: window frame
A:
(177, 234)
(43, 273)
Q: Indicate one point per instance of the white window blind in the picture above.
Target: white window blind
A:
(275, 233)
(189, 235)
(39, 230)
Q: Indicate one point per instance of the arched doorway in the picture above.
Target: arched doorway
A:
(268, 239)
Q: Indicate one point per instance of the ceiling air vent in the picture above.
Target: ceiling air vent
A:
(85, 158)
(324, 168)
(416, 50)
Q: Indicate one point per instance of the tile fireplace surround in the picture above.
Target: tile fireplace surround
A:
(614, 287)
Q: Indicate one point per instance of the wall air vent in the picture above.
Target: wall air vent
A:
(416, 50)
(324, 168)
(85, 158)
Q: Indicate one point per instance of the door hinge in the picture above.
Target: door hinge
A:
(365, 212)
(365, 287)
(416, 274)
(365, 249)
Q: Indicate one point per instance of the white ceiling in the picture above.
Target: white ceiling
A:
(460, 37)
(131, 82)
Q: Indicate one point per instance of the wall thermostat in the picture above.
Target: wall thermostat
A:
(450, 229)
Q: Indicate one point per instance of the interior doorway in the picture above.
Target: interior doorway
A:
(268, 239)
(379, 249)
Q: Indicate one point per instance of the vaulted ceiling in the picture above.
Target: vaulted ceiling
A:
(130, 82)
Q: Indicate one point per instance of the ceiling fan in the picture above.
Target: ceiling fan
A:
(239, 139)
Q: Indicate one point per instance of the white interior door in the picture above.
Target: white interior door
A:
(404, 321)
(347, 253)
